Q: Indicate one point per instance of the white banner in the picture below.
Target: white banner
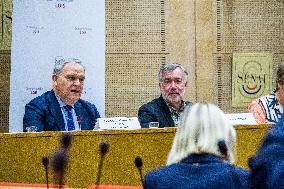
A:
(45, 29)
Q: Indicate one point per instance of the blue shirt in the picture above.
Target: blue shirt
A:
(65, 114)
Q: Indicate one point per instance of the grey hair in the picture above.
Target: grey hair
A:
(171, 67)
(201, 128)
(60, 62)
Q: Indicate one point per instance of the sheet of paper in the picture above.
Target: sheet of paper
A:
(119, 123)
(241, 119)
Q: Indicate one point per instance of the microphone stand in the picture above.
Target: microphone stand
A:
(99, 172)
(46, 176)
(45, 162)
(104, 145)
(139, 163)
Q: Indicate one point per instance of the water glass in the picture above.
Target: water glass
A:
(154, 125)
(31, 129)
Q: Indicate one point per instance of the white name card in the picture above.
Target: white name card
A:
(241, 119)
(118, 123)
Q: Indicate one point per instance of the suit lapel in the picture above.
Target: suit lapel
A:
(79, 114)
(56, 112)
(166, 112)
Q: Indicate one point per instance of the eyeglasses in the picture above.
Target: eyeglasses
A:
(73, 78)
(170, 81)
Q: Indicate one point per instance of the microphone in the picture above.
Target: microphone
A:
(45, 162)
(59, 164)
(104, 146)
(138, 163)
(223, 148)
(61, 157)
(66, 139)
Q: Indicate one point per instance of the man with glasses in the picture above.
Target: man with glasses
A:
(168, 107)
(61, 109)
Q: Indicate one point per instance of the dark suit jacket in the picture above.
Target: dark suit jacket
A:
(267, 167)
(198, 171)
(44, 112)
(156, 111)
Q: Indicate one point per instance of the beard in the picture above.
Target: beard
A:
(172, 98)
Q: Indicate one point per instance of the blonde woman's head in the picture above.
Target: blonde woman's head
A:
(203, 127)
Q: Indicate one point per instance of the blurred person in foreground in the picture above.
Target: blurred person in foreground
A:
(168, 107)
(202, 154)
(61, 109)
(269, 108)
(267, 166)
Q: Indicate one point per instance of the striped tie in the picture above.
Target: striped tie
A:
(69, 118)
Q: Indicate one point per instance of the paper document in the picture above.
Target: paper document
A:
(241, 119)
(119, 123)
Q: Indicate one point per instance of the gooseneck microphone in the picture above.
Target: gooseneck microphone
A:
(60, 159)
(45, 162)
(104, 146)
(59, 164)
(66, 139)
(223, 148)
(138, 163)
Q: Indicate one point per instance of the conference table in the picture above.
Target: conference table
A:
(21, 154)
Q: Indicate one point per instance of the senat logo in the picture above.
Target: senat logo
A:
(252, 79)
(34, 90)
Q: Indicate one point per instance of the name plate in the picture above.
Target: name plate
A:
(119, 123)
(241, 119)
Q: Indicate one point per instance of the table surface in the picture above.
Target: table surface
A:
(21, 154)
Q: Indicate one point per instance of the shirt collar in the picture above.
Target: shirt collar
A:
(61, 103)
(172, 109)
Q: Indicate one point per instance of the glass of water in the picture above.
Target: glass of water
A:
(31, 129)
(154, 125)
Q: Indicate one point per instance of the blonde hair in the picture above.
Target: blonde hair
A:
(201, 128)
